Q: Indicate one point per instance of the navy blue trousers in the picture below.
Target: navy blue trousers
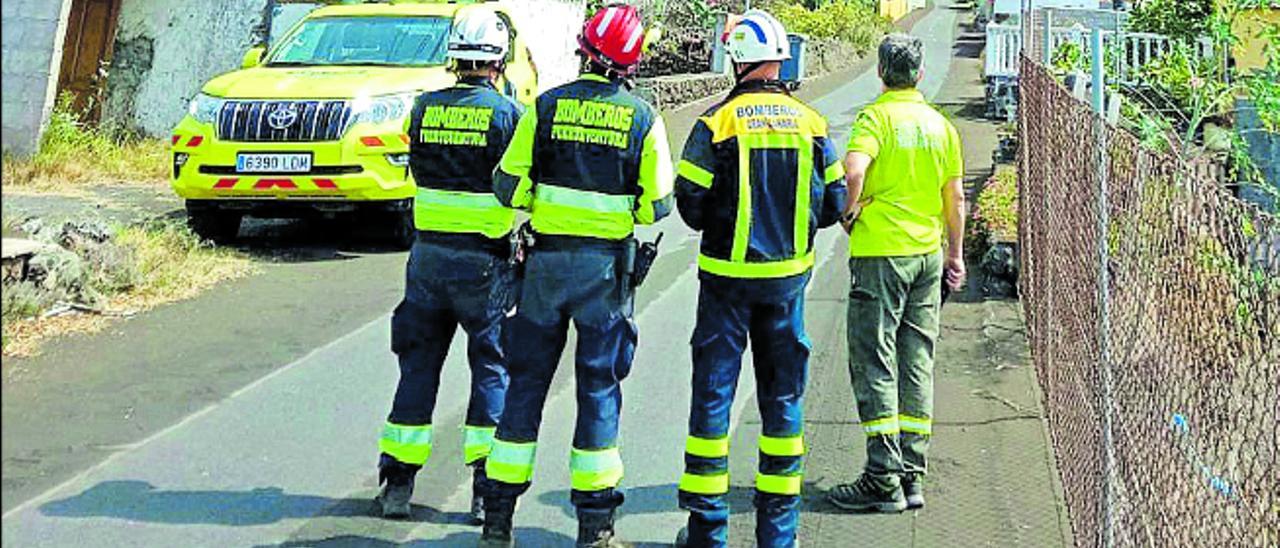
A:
(581, 285)
(769, 314)
(446, 286)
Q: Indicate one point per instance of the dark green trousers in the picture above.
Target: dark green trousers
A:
(893, 323)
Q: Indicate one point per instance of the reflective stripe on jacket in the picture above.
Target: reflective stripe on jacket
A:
(456, 139)
(590, 159)
(758, 177)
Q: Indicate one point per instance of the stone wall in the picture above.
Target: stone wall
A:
(165, 50)
(666, 92)
(32, 48)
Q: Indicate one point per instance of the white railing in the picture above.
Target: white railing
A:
(1004, 46)
(1005, 43)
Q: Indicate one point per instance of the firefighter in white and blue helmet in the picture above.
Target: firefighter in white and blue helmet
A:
(759, 176)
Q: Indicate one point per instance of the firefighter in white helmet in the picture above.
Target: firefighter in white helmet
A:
(759, 176)
(458, 272)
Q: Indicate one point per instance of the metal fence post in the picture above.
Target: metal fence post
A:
(1104, 293)
(1047, 47)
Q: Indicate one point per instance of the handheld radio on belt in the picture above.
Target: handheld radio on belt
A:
(646, 254)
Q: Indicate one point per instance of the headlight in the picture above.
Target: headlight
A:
(384, 108)
(205, 108)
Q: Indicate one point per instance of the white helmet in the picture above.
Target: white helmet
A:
(757, 37)
(478, 34)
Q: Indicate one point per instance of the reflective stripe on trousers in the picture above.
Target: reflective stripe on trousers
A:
(408, 444)
(595, 470)
(477, 442)
(511, 462)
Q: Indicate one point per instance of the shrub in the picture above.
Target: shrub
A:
(995, 215)
(1179, 19)
(853, 21)
(74, 151)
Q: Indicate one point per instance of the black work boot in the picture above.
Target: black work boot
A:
(476, 515)
(595, 529)
(396, 479)
(868, 495)
(498, 513)
(913, 488)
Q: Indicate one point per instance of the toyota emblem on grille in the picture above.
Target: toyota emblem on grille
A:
(283, 116)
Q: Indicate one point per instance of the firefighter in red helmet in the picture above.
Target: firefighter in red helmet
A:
(588, 162)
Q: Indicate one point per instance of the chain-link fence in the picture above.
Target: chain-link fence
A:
(1154, 320)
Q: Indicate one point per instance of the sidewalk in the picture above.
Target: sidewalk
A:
(992, 478)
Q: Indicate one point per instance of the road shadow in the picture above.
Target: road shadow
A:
(305, 239)
(312, 239)
(525, 536)
(662, 499)
(969, 46)
(974, 109)
(140, 501)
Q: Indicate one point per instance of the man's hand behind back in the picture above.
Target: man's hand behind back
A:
(953, 271)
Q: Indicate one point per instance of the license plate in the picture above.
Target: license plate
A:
(273, 163)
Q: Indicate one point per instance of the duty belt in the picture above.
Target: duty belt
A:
(500, 247)
(556, 242)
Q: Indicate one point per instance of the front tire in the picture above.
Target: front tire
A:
(213, 224)
(402, 231)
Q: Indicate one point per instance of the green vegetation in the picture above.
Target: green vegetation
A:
(73, 152)
(687, 42)
(855, 22)
(1186, 92)
(129, 268)
(995, 214)
(1182, 20)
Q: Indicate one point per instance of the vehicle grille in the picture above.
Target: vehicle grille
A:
(321, 120)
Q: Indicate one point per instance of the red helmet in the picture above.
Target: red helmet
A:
(614, 38)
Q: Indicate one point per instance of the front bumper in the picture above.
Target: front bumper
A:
(358, 168)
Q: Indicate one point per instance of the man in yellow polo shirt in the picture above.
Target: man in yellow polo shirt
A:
(904, 172)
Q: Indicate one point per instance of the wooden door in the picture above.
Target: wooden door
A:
(91, 29)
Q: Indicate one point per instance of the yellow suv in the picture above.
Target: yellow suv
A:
(315, 125)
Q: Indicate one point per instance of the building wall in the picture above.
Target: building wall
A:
(165, 50)
(32, 50)
(551, 30)
(1250, 53)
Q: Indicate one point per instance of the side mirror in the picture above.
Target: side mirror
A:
(253, 57)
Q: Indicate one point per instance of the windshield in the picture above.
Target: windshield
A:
(391, 41)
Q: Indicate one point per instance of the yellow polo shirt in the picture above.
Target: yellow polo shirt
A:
(914, 151)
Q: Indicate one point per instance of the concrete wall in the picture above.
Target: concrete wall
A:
(165, 50)
(32, 48)
(165, 54)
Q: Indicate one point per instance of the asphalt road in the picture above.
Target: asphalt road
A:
(249, 416)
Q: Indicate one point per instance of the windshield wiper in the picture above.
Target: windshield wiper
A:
(370, 64)
(292, 64)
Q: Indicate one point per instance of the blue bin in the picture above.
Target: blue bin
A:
(793, 68)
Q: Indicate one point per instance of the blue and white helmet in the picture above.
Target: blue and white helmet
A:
(757, 37)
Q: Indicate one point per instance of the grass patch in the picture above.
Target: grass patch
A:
(137, 268)
(73, 153)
